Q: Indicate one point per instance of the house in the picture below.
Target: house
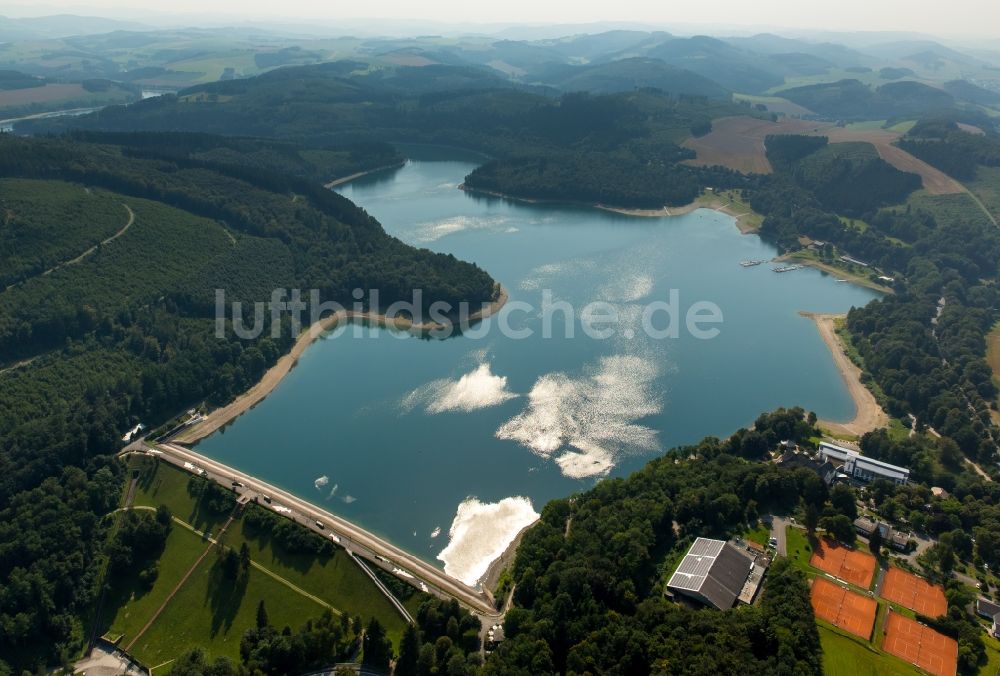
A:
(866, 527)
(863, 468)
(824, 469)
(899, 540)
(989, 610)
(712, 572)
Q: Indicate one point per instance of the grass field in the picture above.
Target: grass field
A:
(134, 607)
(945, 208)
(760, 535)
(987, 188)
(844, 655)
(799, 549)
(214, 610)
(992, 666)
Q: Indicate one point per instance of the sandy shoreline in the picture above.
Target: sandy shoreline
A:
(347, 179)
(868, 414)
(220, 417)
(715, 204)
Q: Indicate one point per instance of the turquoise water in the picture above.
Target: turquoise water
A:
(405, 439)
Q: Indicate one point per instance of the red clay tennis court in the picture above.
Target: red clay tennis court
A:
(845, 563)
(914, 593)
(843, 608)
(920, 645)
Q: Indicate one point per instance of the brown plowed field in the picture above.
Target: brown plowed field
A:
(738, 143)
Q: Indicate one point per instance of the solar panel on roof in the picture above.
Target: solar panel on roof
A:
(696, 564)
(712, 570)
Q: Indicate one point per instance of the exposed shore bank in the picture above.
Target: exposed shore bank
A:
(868, 414)
(743, 220)
(347, 179)
(243, 403)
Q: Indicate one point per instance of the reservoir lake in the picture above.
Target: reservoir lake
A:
(449, 447)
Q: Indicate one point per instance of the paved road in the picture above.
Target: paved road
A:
(353, 538)
(778, 526)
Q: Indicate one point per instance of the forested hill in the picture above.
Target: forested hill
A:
(109, 258)
(620, 148)
(590, 576)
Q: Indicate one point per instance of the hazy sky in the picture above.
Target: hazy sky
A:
(955, 17)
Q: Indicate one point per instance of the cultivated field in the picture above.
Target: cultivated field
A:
(920, 645)
(848, 610)
(914, 593)
(738, 143)
(993, 357)
(850, 565)
(50, 92)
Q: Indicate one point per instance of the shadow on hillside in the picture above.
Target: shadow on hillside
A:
(225, 596)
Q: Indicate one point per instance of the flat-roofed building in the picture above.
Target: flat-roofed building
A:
(713, 572)
(861, 467)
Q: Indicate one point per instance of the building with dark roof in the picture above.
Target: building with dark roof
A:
(823, 468)
(866, 527)
(712, 572)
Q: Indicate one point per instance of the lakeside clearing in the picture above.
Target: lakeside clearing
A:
(868, 414)
(220, 417)
(806, 258)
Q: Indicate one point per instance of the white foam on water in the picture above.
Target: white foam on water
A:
(425, 233)
(545, 275)
(333, 491)
(349, 499)
(586, 459)
(322, 481)
(590, 419)
(436, 532)
(481, 532)
(480, 388)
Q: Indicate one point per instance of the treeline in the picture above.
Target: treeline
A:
(445, 640)
(942, 144)
(314, 164)
(589, 576)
